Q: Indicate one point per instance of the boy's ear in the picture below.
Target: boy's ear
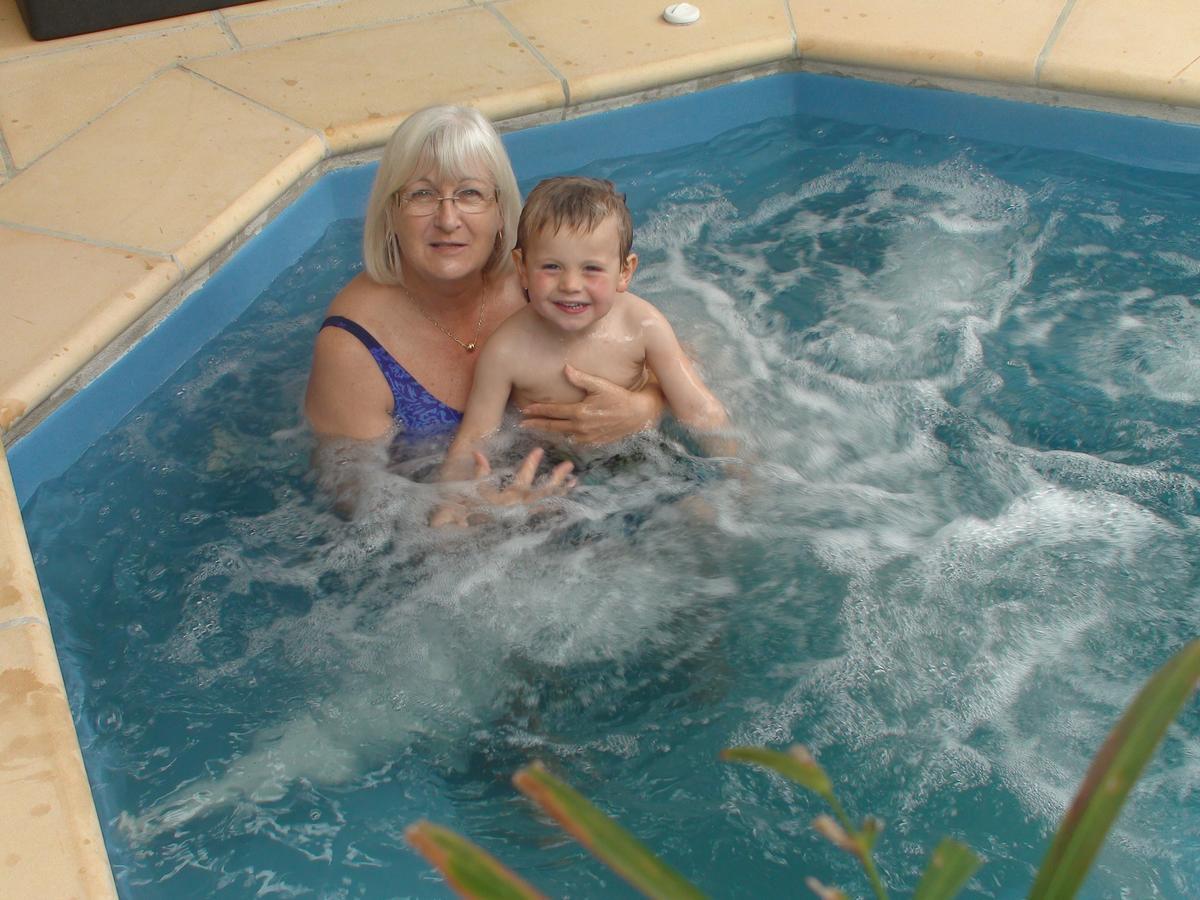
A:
(627, 270)
(519, 261)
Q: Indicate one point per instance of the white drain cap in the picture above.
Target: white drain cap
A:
(681, 13)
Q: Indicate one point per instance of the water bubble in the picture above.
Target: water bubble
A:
(108, 719)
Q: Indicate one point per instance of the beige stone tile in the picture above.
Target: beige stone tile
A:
(20, 596)
(178, 169)
(1148, 51)
(243, 10)
(987, 39)
(626, 45)
(357, 86)
(255, 27)
(45, 98)
(63, 302)
(51, 840)
(16, 42)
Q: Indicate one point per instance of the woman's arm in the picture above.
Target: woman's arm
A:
(607, 414)
(347, 396)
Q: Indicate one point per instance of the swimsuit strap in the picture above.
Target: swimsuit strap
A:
(415, 408)
(358, 331)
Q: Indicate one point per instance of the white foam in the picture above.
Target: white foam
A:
(978, 574)
(958, 654)
(1111, 221)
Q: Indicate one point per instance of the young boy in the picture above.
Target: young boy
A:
(574, 260)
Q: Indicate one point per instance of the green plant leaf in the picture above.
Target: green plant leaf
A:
(949, 867)
(472, 872)
(824, 892)
(604, 838)
(869, 834)
(1113, 772)
(797, 764)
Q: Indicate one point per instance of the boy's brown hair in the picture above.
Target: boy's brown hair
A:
(578, 203)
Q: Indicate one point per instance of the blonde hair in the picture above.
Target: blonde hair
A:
(578, 203)
(450, 142)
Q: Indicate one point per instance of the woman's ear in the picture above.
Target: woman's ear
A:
(627, 269)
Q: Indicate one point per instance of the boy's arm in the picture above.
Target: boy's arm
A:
(484, 413)
(483, 416)
(691, 402)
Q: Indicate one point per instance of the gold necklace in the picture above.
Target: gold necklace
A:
(470, 348)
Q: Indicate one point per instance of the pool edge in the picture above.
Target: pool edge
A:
(53, 843)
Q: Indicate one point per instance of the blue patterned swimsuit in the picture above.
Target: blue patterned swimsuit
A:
(419, 412)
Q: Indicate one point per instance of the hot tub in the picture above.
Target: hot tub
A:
(959, 336)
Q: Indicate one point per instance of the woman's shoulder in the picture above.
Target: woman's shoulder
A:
(360, 294)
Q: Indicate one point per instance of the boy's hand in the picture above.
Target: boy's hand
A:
(608, 413)
(451, 514)
(459, 512)
(522, 489)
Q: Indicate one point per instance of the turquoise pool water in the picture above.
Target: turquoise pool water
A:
(967, 377)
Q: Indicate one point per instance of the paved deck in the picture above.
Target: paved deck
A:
(131, 159)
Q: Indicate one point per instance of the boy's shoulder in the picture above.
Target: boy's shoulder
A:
(516, 324)
(636, 307)
(513, 334)
(638, 314)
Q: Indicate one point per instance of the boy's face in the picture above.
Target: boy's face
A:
(573, 277)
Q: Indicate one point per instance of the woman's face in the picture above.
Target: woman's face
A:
(439, 240)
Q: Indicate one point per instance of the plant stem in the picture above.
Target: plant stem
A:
(864, 853)
(873, 876)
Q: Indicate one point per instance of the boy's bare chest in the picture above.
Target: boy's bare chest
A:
(541, 379)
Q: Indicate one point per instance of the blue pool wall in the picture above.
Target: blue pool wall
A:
(50, 448)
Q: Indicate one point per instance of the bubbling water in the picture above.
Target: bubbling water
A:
(967, 536)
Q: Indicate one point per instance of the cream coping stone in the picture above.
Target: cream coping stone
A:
(600, 54)
(987, 39)
(1148, 50)
(15, 41)
(158, 171)
(78, 866)
(341, 84)
(46, 98)
(61, 338)
(20, 596)
(253, 27)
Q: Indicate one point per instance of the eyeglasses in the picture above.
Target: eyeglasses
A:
(425, 202)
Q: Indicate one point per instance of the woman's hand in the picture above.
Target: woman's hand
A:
(461, 512)
(608, 412)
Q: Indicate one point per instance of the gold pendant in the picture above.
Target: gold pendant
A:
(470, 347)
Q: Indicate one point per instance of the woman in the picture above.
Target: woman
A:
(399, 346)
